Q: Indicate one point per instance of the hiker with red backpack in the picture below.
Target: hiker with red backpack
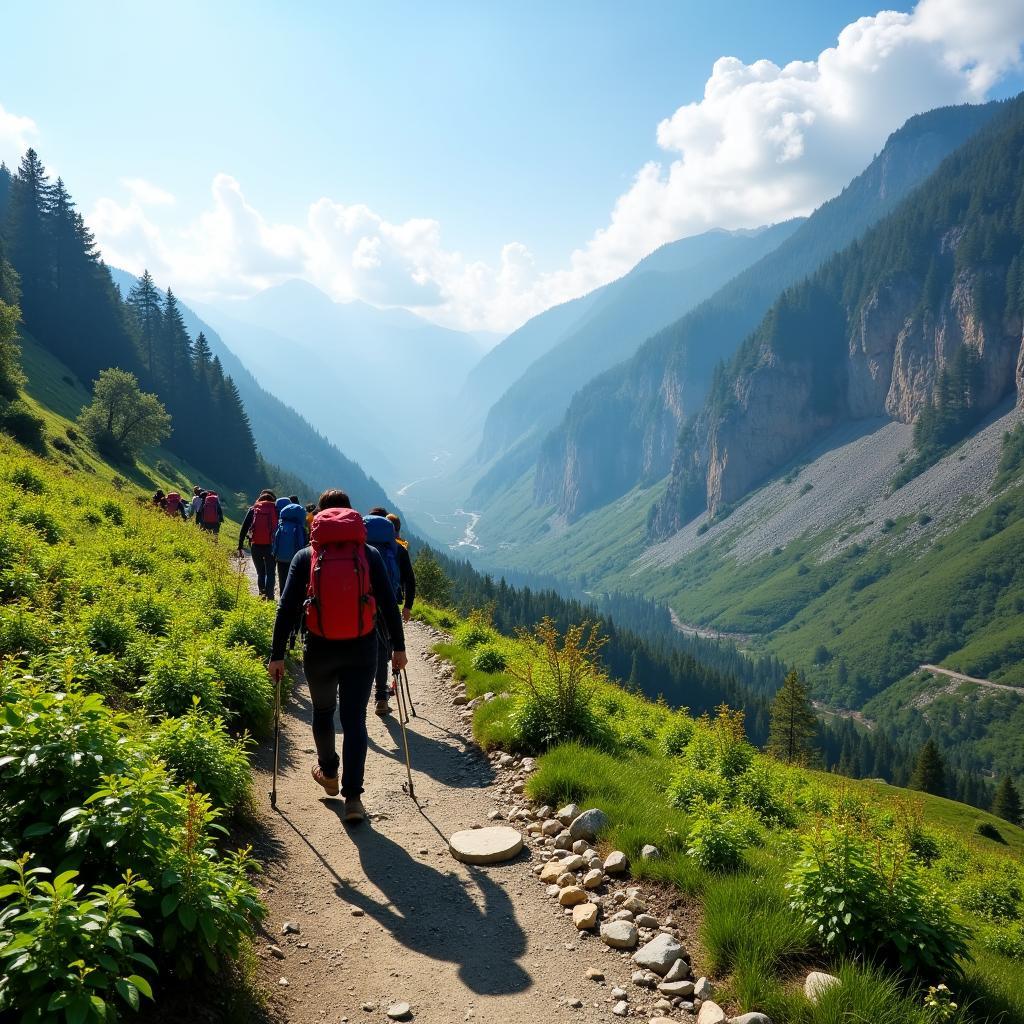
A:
(380, 534)
(174, 506)
(211, 514)
(195, 506)
(258, 528)
(342, 589)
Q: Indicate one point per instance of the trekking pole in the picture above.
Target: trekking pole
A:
(402, 717)
(238, 580)
(277, 740)
(408, 693)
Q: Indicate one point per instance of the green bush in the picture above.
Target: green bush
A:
(870, 899)
(176, 677)
(489, 659)
(247, 692)
(995, 896)
(197, 748)
(471, 635)
(110, 629)
(716, 839)
(18, 420)
(676, 734)
(252, 625)
(25, 477)
(69, 956)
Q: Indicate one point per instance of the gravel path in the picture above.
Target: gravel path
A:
(961, 678)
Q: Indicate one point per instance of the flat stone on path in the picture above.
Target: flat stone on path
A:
(399, 1011)
(486, 845)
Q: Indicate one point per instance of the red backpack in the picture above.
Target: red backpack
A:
(173, 503)
(211, 504)
(264, 522)
(339, 596)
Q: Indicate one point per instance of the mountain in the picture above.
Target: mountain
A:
(920, 320)
(614, 322)
(621, 429)
(381, 382)
(283, 436)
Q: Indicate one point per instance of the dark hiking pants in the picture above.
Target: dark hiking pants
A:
(264, 561)
(340, 674)
(282, 574)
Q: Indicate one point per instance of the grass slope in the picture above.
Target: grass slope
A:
(698, 792)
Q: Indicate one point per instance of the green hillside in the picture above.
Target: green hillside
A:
(787, 869)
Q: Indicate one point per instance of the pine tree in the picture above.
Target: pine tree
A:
(5, 191)
(929, 771)
(793, 722)
(1006, 804)
(144, 305)
(27, 237)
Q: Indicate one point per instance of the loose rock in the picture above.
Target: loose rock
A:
(589, 824)
(650, 852)
(702, 989)
(594, 974)
(584, 916)
(659, 954)
(277, 951)
(679, 971)
(399, 1011)
(573, 863)
(616, 862)
(571, 895)
(818, 982)
(550, 872)
(646, 921)
(751, 1018)
(621, 1008)
(711, 1013)
(567, 814)
(676, 988)
(290, 927)
(619, 934)
(593, 878)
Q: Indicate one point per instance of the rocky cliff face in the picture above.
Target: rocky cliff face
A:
(894, 356)
(622, 429)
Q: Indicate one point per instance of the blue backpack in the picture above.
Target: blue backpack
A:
(290, 535)
(380, 534)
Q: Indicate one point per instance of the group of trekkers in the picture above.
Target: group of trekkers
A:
(204, 509)
(346, 582)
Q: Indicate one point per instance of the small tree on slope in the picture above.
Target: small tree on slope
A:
(793, 722)
(122, 419)
(1006, 804)
(930, 771)
(432, 584)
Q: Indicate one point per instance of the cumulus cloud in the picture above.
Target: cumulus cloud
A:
(762, 144)
(16, 134)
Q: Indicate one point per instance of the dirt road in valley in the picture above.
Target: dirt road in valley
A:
(386, 914)
(961, 678)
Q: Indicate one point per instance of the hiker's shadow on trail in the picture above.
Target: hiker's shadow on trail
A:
(437, 757)
(432, 912)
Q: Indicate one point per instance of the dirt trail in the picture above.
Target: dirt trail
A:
(961, 678)
(455, 942)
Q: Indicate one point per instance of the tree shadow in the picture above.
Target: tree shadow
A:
(433, 756)
(433, 913)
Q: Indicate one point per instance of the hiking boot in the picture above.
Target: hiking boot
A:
(329, 782)
(354, 810)
(383, 708)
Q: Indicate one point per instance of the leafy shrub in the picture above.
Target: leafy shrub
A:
(557, 677)
(22, 630)
(18, 421)
(471, 635)
(252, 625)
(489, 659)
(989, 831)
(109, 629)
(445, 620)
(65, 955)
(25, 477)
(996, 896)
(247, 692)
(113, 511)
(176, 678)
(690, 787)
(717, 839)
(197, 748)
(676, 734)
(38, 516)
(870, 899)
(1006, 940)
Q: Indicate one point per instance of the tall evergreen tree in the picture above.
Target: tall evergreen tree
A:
(793, 722)
(5, 192)
(26, 232)
(929, 771)
(1006, 804)
(147, 313)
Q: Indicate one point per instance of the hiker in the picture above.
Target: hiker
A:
(380, 534)
(174, 506)
(339, 658)
(258, 528)
(405, 570)
(290, 537)
(196, 504)
(310, 512)
(158, 499)
(211, 515)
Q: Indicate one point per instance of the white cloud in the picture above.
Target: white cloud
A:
(764, 143)
(16, 134)
(146, 193)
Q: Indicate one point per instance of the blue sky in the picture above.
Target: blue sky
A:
(479, 125)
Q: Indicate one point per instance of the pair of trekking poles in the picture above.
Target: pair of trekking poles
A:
(400, 682)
